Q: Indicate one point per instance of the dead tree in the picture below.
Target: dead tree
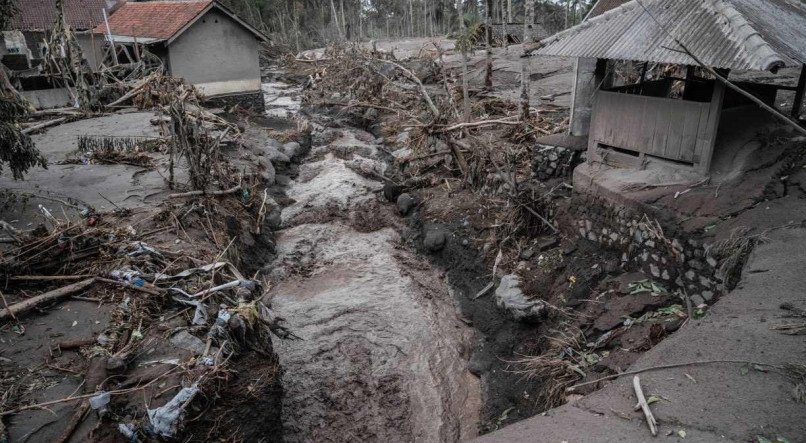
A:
(488, 74)
(465, 41)
(528, 21)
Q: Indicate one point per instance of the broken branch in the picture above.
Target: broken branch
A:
(57, 294)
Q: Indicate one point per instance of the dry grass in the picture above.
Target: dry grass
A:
(559, 367)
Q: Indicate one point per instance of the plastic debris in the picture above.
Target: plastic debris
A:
(200, 316)
(219, 328)
(165, 420)
(100, 401)
(128, 430)
(142, 248)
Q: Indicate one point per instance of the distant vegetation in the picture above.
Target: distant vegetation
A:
(302, 24)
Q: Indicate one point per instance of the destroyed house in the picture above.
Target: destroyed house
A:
(23, 47)
(202, 42)
(673, 116)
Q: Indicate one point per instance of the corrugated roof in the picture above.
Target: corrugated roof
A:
(732, 34)
(81, 15)
(158, 20)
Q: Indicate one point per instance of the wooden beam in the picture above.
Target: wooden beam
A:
(714, 115)
(796, 105)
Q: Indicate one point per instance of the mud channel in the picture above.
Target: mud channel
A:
(391, 345)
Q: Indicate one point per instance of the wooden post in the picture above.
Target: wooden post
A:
(796, 105)
(714, 115)
(689, 79)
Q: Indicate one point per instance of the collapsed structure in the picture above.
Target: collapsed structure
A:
(200, 41)
(661, 149)
(672, 119)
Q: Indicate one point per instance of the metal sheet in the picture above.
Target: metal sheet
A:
(733, 34)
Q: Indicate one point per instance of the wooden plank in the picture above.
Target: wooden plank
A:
(714, 115)
(799, 91)
(690, 127)
(702, 134)
(661, 128)
(677, 116)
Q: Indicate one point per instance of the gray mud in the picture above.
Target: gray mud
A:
(383, 354)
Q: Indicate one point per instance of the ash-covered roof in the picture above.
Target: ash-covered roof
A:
(732, 34)
(81, 15)
(163, 20)
(603, 6)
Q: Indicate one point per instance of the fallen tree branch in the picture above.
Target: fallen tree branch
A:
(479, 124)
(43, 125)
(57, 294)
(85, 396)
(669, 366)
(650, 419)
(431, 106)
(48, 277)
(215, 193)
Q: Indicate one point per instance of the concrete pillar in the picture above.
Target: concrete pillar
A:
(590, 73)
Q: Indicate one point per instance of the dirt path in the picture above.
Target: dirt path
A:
(383, 355)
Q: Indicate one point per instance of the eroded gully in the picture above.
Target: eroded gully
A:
(383, 354)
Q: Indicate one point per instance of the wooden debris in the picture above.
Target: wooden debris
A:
(48, 297)
(202, 192)
(650, 419)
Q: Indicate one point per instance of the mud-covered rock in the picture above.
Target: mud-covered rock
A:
(435, 240)
(391, 192)
(292, 149)
(268, 172)
(273, 151)
(509, 297)
(274, 219)
(405, 203)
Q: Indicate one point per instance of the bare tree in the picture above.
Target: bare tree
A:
(528, 21)
(488, 15)
(336, 19)
(464, 40)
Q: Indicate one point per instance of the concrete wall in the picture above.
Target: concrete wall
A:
(217, 55)
(582, 96)
(48, 98)
(92, 47)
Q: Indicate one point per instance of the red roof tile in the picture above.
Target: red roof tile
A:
(39, 15)
(158, 19)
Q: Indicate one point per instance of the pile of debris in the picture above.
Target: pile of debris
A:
(174, 319)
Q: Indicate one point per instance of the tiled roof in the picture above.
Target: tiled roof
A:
(81, 15)
(733, 34)
(157, 19)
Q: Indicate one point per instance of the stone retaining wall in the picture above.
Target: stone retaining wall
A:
(678, 259)
(252, 100)
(555, 161)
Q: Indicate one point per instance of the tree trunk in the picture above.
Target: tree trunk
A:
(528, 20)
(343, 21)
(411, 18)
(465, 93)
(488, 75)
(336, 19)
(506, 16)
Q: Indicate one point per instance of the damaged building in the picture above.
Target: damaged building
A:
(658, 133)
(673, 118)
(202, 42)
(23, 49)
